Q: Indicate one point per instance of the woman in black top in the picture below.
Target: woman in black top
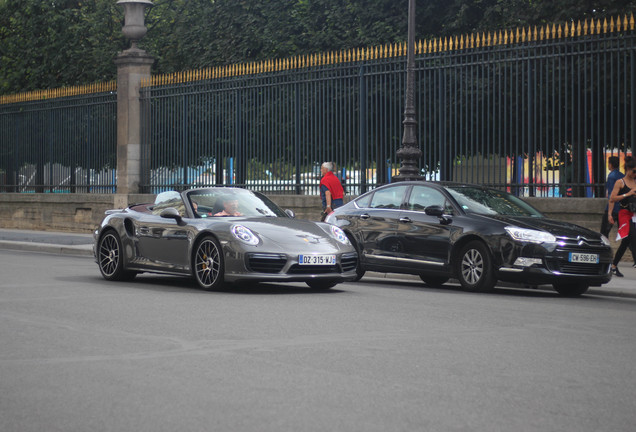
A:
(625, 193)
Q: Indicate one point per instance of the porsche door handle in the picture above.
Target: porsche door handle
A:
(405, 220)
(364, 216)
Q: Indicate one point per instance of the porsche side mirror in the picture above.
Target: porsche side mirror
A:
(290, 213)
(170, 213)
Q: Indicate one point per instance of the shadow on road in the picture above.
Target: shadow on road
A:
(521, 291)
(167, 283)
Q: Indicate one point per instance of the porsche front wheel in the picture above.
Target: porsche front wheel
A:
(208, 264)
(110, 258)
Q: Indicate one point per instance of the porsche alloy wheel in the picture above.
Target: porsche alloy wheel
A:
(208, 264)
(110, 260)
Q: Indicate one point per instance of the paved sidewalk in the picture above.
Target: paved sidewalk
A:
(82, 245)
(47, 241)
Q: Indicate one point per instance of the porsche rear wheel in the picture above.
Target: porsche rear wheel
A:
(208, 264)
(110, 259)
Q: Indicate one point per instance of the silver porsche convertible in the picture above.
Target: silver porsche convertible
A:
(219, 236)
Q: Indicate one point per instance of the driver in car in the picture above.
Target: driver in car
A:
(230, 207)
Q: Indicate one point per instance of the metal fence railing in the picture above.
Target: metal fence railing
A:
(60, 143)
(536, 111)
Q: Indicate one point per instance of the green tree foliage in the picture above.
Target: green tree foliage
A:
(55, 43)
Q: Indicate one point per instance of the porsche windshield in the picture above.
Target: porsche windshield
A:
(214, 202)
(491, 202)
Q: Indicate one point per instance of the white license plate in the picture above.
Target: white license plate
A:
(316, 259)
(583, 258)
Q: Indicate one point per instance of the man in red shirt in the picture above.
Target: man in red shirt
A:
(331, 191)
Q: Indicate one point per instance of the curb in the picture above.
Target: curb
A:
(79, 250)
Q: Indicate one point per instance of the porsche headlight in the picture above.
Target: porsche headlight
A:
(245, 235)
(529, 235)
(339, 235)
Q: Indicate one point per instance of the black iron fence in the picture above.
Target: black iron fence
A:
(59, 141)
(537, 111)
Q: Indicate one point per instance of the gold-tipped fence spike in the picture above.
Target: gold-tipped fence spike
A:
(460, 42)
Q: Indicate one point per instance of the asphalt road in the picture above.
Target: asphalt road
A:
(158, 354)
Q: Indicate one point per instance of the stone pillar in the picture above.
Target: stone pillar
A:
(133, 65)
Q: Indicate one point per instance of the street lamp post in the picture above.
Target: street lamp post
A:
(409, 152)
